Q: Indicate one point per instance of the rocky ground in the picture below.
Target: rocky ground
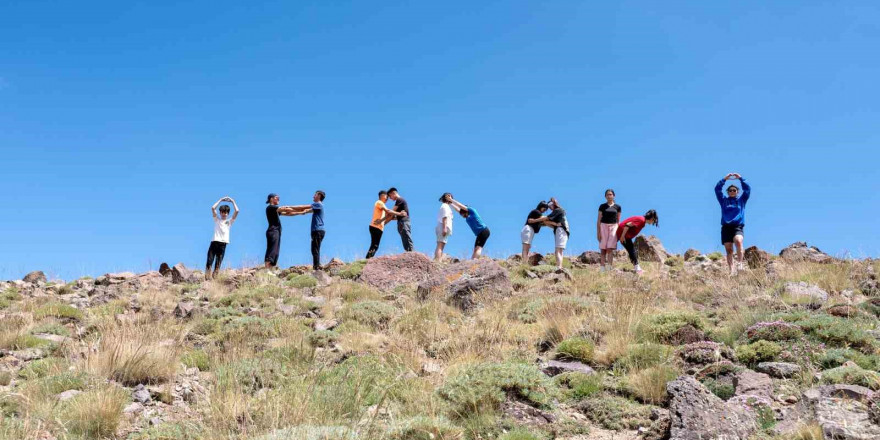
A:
(402, 348)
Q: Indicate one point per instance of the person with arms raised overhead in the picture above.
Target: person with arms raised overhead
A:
(606, 230)
(533, 224)
(377, 224)
(401, 214)
(444, 225)
(317, 226)
(473, 219)
(222, 223)
(733, 218)
(628, 229)
(273, 233)
(558, 220)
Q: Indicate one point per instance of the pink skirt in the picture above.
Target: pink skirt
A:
(608, 233)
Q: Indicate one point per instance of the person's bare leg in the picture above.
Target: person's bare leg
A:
(729, 248)
(609, 259)
(267, 265)
(602, 254)
(478, 252)
(525, 253)
(559, 257)
(738, 241)
(438, 252)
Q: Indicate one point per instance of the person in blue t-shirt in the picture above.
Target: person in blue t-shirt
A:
(317, 229)
(473, 219)
(733, 218)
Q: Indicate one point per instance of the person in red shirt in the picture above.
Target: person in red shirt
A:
(628, 229)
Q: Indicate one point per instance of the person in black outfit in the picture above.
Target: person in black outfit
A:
(273, 233)
(534, 221)
(401, 214)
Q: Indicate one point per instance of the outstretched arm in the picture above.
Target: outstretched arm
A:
(458, 205)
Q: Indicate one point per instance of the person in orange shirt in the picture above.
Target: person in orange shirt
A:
(377, 225)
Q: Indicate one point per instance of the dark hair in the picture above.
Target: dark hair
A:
(381, 193)
(542, 205)
(444, 196)
(224, 209)
(734, 187)
(653, 215)
(392, 190)
(555, 202)
(609, 190)
(321, 194)
(463, 212)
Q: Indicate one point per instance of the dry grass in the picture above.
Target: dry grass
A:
(133, 355)
(94, 414)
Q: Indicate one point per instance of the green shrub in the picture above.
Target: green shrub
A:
(616, 413)
(773, 331)
(579, 385)
(719, 388)
(51, 328)
(58, 383)
(483, 387)
(577, 349)
(836, 357)
(642, 356)
(57, 310)
(353, 292)
(197, 359)
(301, 281)
(660, 328)
(43, 367)
(5, 378)
(521, 434)
(251, 375)
(715, 256)
(756, 352)
(323, 338)
(835, 331)
(9, 296)
(376, 314)
(426, 428)
(171, 431)
(352, 270)
(852, 375)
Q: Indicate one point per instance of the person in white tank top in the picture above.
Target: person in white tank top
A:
(222, 223)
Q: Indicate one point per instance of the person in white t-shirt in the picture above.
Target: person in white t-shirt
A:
(444, 225)
(222, 223)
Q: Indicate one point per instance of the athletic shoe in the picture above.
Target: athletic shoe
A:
(601, 269)
(638, 269)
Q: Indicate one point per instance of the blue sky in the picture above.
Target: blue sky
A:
(121, 123)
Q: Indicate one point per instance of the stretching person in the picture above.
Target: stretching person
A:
(629, 229)
(222, 223)
(606, 230)
(444, 225)
(533, 224)
(273, 233)
(317, 226)
(377, 225)
(472, 218)
(561, 232)
(401, 214)
(733, 218)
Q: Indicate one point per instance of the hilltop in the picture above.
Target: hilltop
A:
(400, 347)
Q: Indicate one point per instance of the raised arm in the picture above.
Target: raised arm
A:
(747, 189)
(235, 207)
(458, 205)
(718, 194)
(214, 207)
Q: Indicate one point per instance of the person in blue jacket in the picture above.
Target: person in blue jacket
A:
(733, 218)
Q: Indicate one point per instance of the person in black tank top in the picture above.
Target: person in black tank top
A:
(534, 221)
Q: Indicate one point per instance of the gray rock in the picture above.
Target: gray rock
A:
(184, 309)
(554, 368)
(810, 292)
(34, 277)
(697, 414)
(390, 271)
(461, 281)
(133, 407)
(751, 383)
(650, 249)
(67, 395)
(525, 414)
(326, 325)
(181, 274)
(843, 412)
(691, 254)
(323, 278)
(801, 252)
(29, 354)
(781, 370)
(141, 394)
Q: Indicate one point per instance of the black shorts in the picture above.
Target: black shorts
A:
(482, 237)
(728, 232)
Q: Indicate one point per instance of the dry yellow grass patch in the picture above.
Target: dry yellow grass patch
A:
(132, 354)
(96, 413)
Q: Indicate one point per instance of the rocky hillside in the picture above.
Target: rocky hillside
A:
(402, 348)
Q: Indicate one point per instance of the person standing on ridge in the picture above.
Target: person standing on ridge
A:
(401, 214)
(561, 231)
(473, 219)
(444, 225)
(222, 223)
(628, 229)
(273, 233)
(733, 218)
(377, 224)
(606, 230)
(533, 224)
(317, 226)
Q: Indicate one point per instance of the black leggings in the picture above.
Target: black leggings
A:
(273, 246)
(317, 238)
(375, 238)
(631, 250)
(482, 237)
(215, 253)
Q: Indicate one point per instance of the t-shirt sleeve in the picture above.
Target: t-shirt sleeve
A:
(619, 209)
(317, 206)
(602, 207)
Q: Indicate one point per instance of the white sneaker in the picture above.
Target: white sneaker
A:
(601, 269)
(740, 266)
(638, 269)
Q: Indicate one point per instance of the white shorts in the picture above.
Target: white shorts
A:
(527, 234)
(441, 238)
(561, 238)
(608, 236)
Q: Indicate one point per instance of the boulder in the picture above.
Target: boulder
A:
(390, 271)
(687, 334)
(751, 383)
(165, 269)
(460, 281)
(334, 263)
(705, 352)
(690, 254)
(589, 257)
(141, 394)
(802, 290)
(843, 411)
(36, 276)
(801, 252)
(111, 279)
(184, 309)
(535, 259)
(525, 414)
(781, 370)
(756, 258)
(697, 414)
(181, 274)
(555, 368)
(560, 275)
(67, 395)
(650, 249)
(843, 311)
(324, 279)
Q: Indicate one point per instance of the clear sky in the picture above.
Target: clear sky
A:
(122, 122)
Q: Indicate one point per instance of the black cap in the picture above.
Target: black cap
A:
(269, 197)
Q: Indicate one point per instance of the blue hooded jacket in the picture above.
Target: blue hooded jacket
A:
(733, 209)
